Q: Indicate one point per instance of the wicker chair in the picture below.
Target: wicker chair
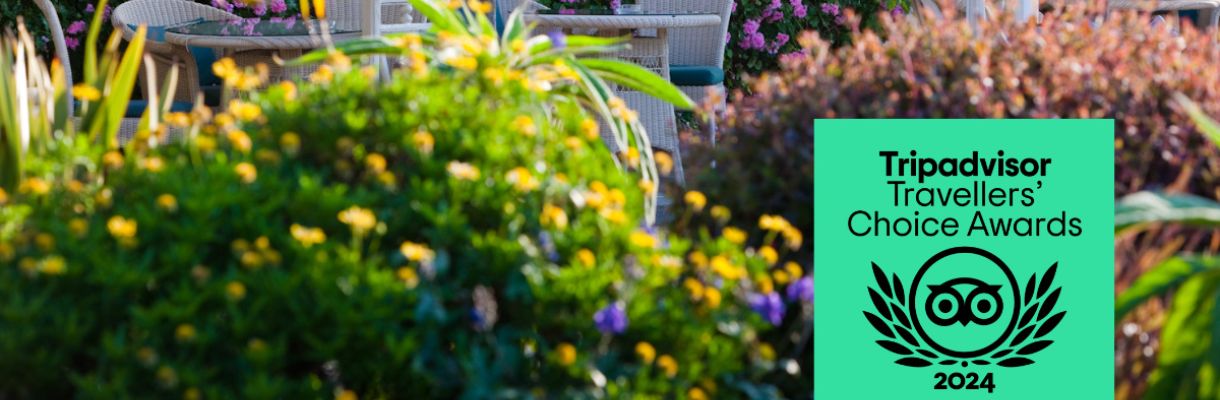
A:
(696, 55)
(158, 15)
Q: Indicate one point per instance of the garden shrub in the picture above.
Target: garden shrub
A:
(429, 236)
(1122, 69)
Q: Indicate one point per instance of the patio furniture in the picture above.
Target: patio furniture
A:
(1207, 8)
(697, 54)
(194, 63)
(400, 18)
(649, 51)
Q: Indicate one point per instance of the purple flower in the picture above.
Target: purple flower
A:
(751, 26)
(897, 11)
(260, 9)
(89, 9)
(798, 8)
(615, 4)
(278, 6)
(558, 39)
(801, 290)
(76, 27)
(769, 305)
(223, 5)
(72, 42)
(612, 319)
(830, 8)
(106, 12)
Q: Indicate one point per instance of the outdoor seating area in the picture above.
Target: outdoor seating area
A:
(537, 199)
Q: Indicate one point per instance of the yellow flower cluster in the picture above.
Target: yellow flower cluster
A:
(242, 79)
(423, 141)
(52, 265)
(619, 109)
(565, 354)
(256, 255)
(123, 230)
(462, 170)
(246, 172)
(416, 252)
(554, 217)
(34, 186)
(522, 179)
(167, 202)
(609, 203)
(774, 223)
(710, 296)
(586, 257)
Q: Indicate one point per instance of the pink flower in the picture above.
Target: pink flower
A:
(278, 6)
(76, 27)
(89, 9)
(72, 42)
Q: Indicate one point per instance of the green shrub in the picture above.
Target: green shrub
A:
(427, 236)
(1122, 69)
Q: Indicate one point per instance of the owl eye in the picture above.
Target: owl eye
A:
(985, 305)
(943, 307)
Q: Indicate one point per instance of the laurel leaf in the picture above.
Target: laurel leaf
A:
(901, 316)
(981, 362)
(895, 347)
(1022, 335)
(913, 362)
(899, 292)
(1048, 305)
(1049, 325)
(926, 353)
(1047, 279)
(948, 362)
(1001, 353)
(1015, 362)
(880, 304)
(881, 282)
(1029, 288)
(1028, 316)
(906, 335)
(879, 325)
(1034, 347)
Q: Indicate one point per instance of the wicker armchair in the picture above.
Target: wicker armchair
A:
(158, 15)
(700, 50)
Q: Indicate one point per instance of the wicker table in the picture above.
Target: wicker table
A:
(650, 51)
(251, 41)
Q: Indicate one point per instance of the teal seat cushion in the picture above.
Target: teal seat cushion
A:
(695, 75)
(135, 108)
(204, 57)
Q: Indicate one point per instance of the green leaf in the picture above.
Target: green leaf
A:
(1205, 123)
(441, 18)
(1140, 209)
(1161, 279)
(1185, 338)
(638, 78)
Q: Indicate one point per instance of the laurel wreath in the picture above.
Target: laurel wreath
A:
(1036, 322)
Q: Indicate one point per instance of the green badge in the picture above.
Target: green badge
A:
(964, 259)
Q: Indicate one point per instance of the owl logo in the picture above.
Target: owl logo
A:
(964, 306)
(981, 305)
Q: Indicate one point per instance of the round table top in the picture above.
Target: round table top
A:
(624, 21)
(256, 35)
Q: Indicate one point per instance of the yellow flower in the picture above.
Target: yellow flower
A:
(764, 283)
(619, 108)
(324, 74)
(773, 223)
(235, 290)
(565, 71)
(416, 252)
(3, 196)
(185, 332)
(521, 179)
(643, 239)
(794, 270)
(112, 160)
(34, 186)
(307, 236)
(554, 216)
(711, 297)
(45, 242)
(668, 365)
(122, 228)
(7, 252)
(647, 186)
(423, 141)
(375, 162)
(696, 200)
(697, 258)
(359, 219)
(152, 164)
(573, 143)
(633, 157)
(225, 67)
(290, 143)
(53, 265)
(78, 226)
(721, 265)
(240, 140)
(245, 111)
(792, 237)
(769, 254)
(480, 7)
(590, 128)
(103, 198)
(463, 170)
(586, 257)
(645, 351)
(734, 235)
(408, 276)
(781, 277)
(721, 214)
(696, 394)
(665, 163)
(192, 394)
(766, 352)
(167, 202)
(565, 353)
(464, 63)
(346, 395)
(246, 172)
(694, 287)
(86, 92)
(524, 125)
